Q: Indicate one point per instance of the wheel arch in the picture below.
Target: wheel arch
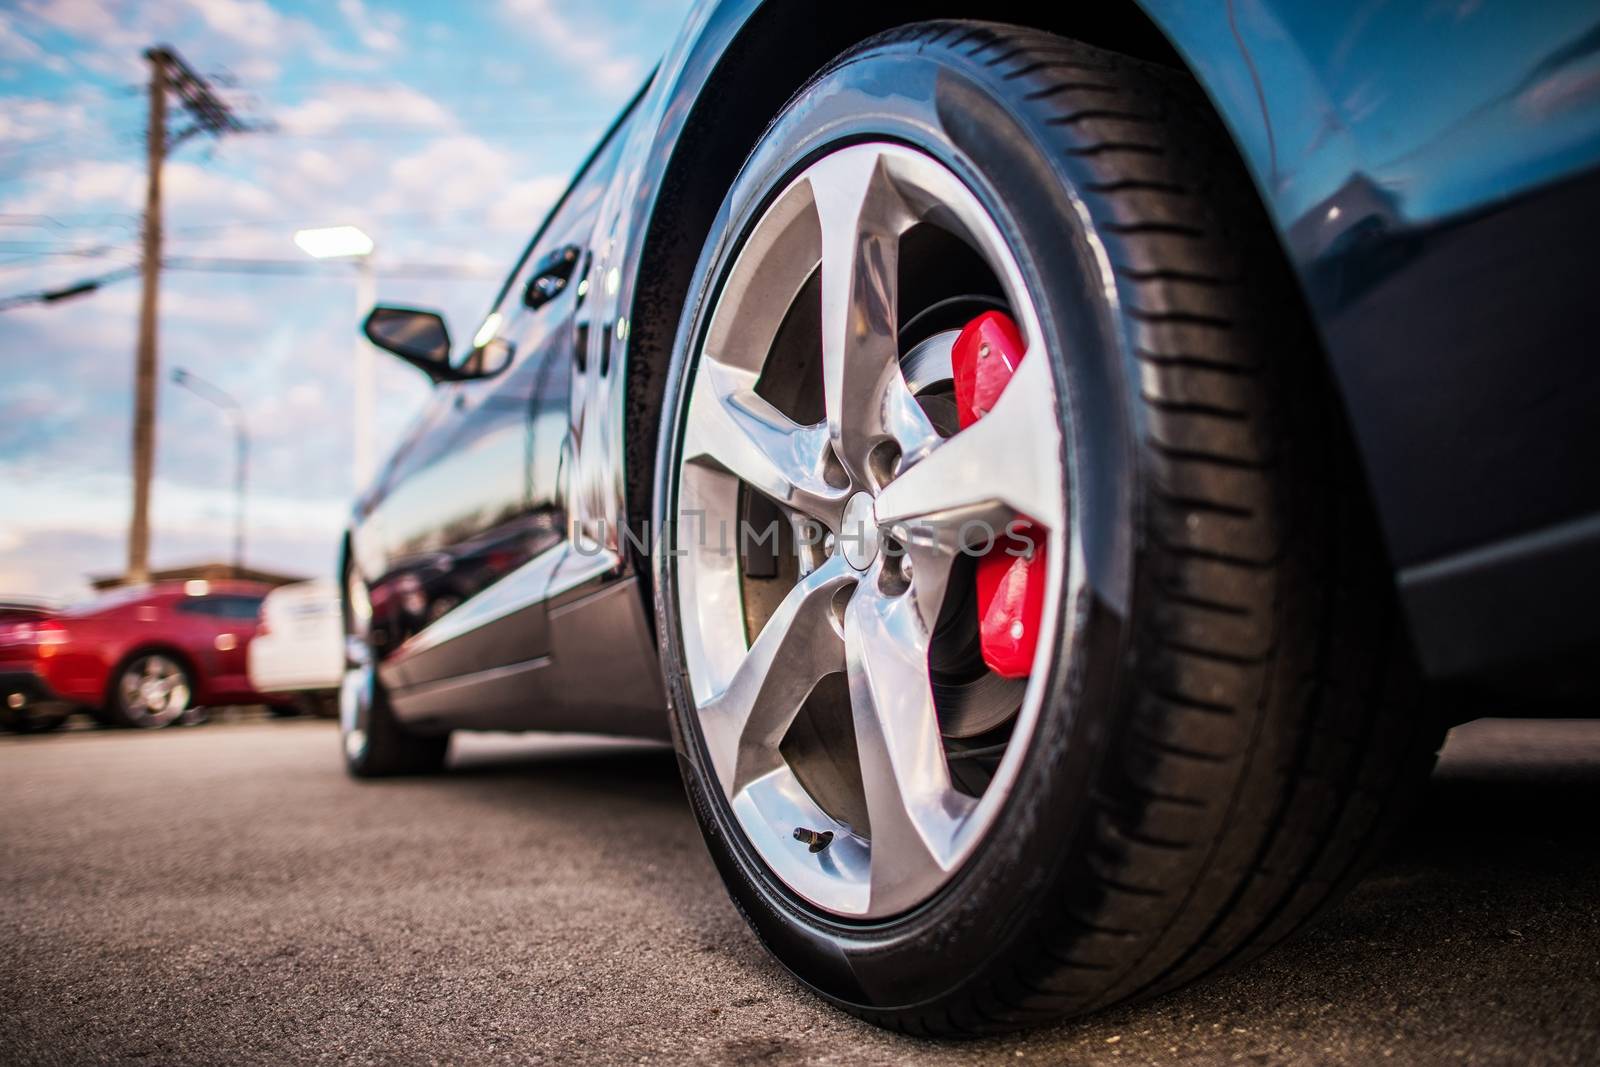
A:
(757, 56)
(724, 101)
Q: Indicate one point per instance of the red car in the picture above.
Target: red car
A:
(18, 710)
(137, 657)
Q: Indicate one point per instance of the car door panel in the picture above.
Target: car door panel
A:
(458, 532)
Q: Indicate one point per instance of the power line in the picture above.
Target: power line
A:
(240, 265)
(92, 220)
(105, 251)
(33, 248)
(78, 93)
(107, 138)
(66, 292)
(401, 131)
(60, 222)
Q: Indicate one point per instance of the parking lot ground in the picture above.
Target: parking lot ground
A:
(222, 893)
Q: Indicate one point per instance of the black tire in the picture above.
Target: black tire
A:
(1241, 721)
(34, 719)
(385, 749)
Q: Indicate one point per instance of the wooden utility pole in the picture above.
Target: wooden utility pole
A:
(144, 374)
(168, 73)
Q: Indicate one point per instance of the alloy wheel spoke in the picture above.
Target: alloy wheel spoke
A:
(931, 563)
(135, 693)
(861, 217)
(795, 649)
(733, 427)
(914, 811)
(966, 490)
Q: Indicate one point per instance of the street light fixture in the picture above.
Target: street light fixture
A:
(235, 414)
(334, 242)
(353, 244)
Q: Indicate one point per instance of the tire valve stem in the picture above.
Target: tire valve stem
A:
(816, 840)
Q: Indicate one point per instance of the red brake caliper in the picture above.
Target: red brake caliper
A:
(1011, 574)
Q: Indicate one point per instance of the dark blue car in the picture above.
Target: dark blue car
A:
(1053, 477)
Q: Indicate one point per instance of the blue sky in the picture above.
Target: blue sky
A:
(444, 130)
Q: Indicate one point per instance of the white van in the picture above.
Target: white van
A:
(299, 647)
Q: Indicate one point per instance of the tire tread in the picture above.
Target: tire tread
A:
(1273, 677)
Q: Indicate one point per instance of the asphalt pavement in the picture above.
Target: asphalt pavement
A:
(223, 894)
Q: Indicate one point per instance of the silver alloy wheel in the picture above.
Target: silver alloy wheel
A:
(154, 690)
(356, 687)
(874, 473)
(355, 698)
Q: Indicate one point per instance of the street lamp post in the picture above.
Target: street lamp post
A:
(241, 464)
(352, 243)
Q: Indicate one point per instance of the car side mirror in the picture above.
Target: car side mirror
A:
(418, 337)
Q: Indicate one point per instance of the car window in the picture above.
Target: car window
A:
(240, 607)
(226, 607)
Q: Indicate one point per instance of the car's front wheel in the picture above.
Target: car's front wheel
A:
(1026, 640)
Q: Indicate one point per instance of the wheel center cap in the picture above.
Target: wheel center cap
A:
(858, 532)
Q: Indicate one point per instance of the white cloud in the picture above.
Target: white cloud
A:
(98, 185)
(26, 118)
(30, 401)
(249, 37)
(106, 185)
(379, 32)
(250, 22)
(521, 205)
(253, 70)
(79, 503)
(452, 174)
(206, 193)
(14, 44)
(587, 49)
(97, 21)
(318, 167)
(119, 64)
(337, 106)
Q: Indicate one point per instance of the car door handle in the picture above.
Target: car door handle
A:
(550, 277)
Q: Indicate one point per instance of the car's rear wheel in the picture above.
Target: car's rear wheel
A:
(981, 290)
(374, 743)
(149, 691)
(372, 740)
